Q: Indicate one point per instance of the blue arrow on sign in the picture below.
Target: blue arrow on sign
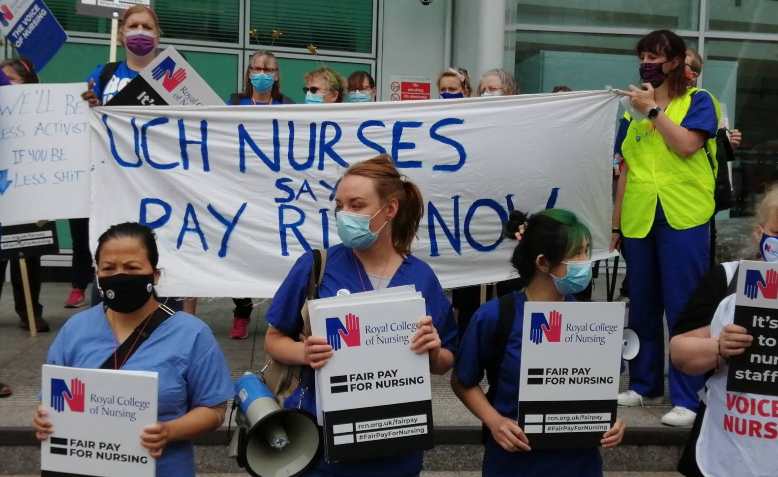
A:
(4, 182)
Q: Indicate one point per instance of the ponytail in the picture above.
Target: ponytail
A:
(390, 184)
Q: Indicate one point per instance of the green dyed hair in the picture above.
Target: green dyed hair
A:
(556, 234)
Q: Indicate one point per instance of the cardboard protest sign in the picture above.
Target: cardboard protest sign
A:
(106, 8)
(32, 29)
(28, 240)
(756, 310)
(98, 416)
(570, 365)
(44, 153)
(168, 80)
(374, 394)
(229, 188)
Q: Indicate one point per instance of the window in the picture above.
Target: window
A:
(335, 25)
(674, 14)
(757, 16)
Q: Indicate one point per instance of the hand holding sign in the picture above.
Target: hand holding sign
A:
(754, 282)
(733, 341)
(770, 289)
(317, 351)
(42, 424)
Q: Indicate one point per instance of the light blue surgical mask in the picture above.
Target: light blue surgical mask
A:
(311, 98)
(262, 82)
(768, 247)
(577, 278)
(354, 229)
(445, 95)
(358, 97)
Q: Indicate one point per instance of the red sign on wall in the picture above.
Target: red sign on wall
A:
(410, 89)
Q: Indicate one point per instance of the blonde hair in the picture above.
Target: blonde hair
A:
(140, 9)
(768, 206)
(509, 85)
(333, 79)
(462, 76)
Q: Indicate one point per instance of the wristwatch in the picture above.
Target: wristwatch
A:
(653, 112)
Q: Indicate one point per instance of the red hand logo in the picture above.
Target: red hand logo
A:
(770, 289)
(77, 399)
(553, 330)
(351, 335)
(169, 82)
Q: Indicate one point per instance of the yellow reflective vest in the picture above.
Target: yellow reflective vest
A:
(684, 185)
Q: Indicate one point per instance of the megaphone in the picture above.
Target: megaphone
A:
(631, 345)
(271, 441)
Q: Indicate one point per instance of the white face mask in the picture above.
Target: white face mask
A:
(492, 93)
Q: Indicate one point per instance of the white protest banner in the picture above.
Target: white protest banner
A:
(98, 416)
(236, 194)
(570, 364)
(44, 153)
(374, 393)
(168, 80)
(756, 310)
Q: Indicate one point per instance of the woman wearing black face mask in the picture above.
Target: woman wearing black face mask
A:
(663, 206)
(194, 380)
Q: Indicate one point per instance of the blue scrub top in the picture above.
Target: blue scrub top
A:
(344, 271)
(476, 351)
(121, 77)
(247, 101)
(192, 369)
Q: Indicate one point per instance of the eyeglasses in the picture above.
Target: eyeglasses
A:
(260, 69)
(313, 89)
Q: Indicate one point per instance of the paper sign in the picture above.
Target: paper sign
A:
(410, 89)
(570, 364)
(756, 310)
(172, 80)
(44, 153)
(98, 416)
(32, 29)
(29, 240)
(374, 393)
(106, 8)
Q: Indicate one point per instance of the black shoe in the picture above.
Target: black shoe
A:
(40, 325)
(5, 390)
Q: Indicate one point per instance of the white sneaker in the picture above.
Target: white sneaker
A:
(679, 417)
(633, 399)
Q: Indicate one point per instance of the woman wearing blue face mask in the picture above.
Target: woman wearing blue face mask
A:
(323, 85)
(262, 83)
(378, 214)
(703, 340)
(361, 88)
(454, 83)
(553, 257)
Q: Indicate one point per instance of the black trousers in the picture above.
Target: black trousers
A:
(83, 272)
(243, 307)
(34, 274)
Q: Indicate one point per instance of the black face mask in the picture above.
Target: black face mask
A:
(126, 293)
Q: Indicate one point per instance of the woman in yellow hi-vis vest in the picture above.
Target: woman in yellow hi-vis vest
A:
(663, 207)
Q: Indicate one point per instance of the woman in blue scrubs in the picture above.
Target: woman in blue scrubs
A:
(194, 380)
(553, 256)
(378, 213)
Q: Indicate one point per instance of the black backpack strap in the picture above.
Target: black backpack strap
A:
(138, 336)
(732, 286)
(507, 316)
(105, 75)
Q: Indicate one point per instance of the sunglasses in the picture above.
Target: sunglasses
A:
(313, 89)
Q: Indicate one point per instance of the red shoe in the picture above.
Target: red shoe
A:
(76, 299)
(240, 328)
